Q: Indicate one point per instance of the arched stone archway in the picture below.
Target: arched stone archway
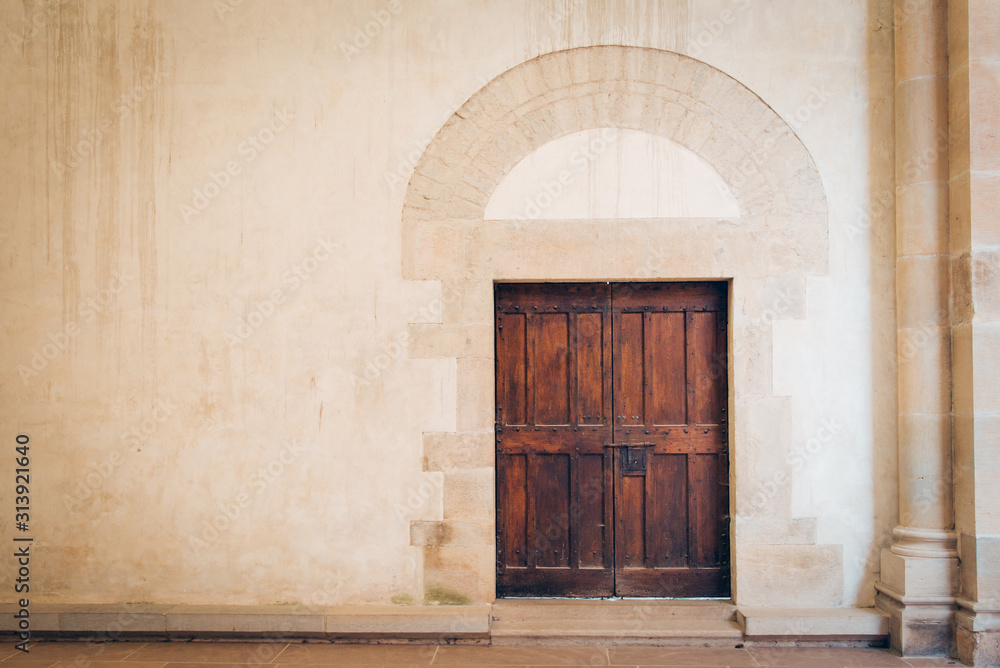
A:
(780, 237)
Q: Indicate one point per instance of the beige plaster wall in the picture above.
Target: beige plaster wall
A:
(223, 372)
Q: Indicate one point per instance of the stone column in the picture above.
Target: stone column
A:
(973, 99)
(919, 571)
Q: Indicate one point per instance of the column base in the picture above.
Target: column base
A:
(918, 592)
(921, 629)
(977, 634)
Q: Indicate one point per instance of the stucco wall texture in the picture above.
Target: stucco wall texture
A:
(209, 332)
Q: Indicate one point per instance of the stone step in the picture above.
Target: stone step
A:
(612, 609)
(615, 622)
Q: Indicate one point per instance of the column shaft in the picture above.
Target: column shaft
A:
(919, 571)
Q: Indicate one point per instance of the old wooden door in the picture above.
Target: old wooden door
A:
(612, 464)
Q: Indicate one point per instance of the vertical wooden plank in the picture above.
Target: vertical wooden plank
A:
(512, 476)
(590, 517)
(630, 511)
(720, 357)
(665, 369)
(552, 510)
(511, 367)
(590, 368)
(530, 373)
(667, 524)
(531, 516)
(610, 494)
(703, 475)
(573, 521)
(572, 379)
(629, 369)
(709, 376)
(551, 367)
(690, 369)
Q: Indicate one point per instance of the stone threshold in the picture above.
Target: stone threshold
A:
(526, 620)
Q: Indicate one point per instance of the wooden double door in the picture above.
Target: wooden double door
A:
(612, 439)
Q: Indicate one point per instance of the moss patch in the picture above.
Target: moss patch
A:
(402, 599)
(439, 595)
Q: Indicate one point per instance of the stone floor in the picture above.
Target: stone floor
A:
(207, 654)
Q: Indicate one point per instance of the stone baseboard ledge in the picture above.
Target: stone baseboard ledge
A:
(276, 623)
(814, 625)
(395, 623)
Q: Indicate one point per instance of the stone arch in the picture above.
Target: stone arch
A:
(780, 237)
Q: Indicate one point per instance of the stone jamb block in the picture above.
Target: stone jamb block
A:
(425, 533)
(448, 451)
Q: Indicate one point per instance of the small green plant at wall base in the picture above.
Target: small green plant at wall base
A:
(440, 595)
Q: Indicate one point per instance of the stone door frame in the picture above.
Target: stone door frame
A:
(780, 238)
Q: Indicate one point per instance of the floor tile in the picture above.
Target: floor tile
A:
(825, 658)
(208, 652)
(109, 664)
(532, 656)
(677, 656)
(931, 662)
(76, 652)
(316, 653)
(354, 665)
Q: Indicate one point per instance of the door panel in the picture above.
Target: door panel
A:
(612, 439)
(554, 350)
(668, 521)
(666, 388)
(670, 341)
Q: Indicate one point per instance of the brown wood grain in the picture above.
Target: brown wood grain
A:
(583, 370)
